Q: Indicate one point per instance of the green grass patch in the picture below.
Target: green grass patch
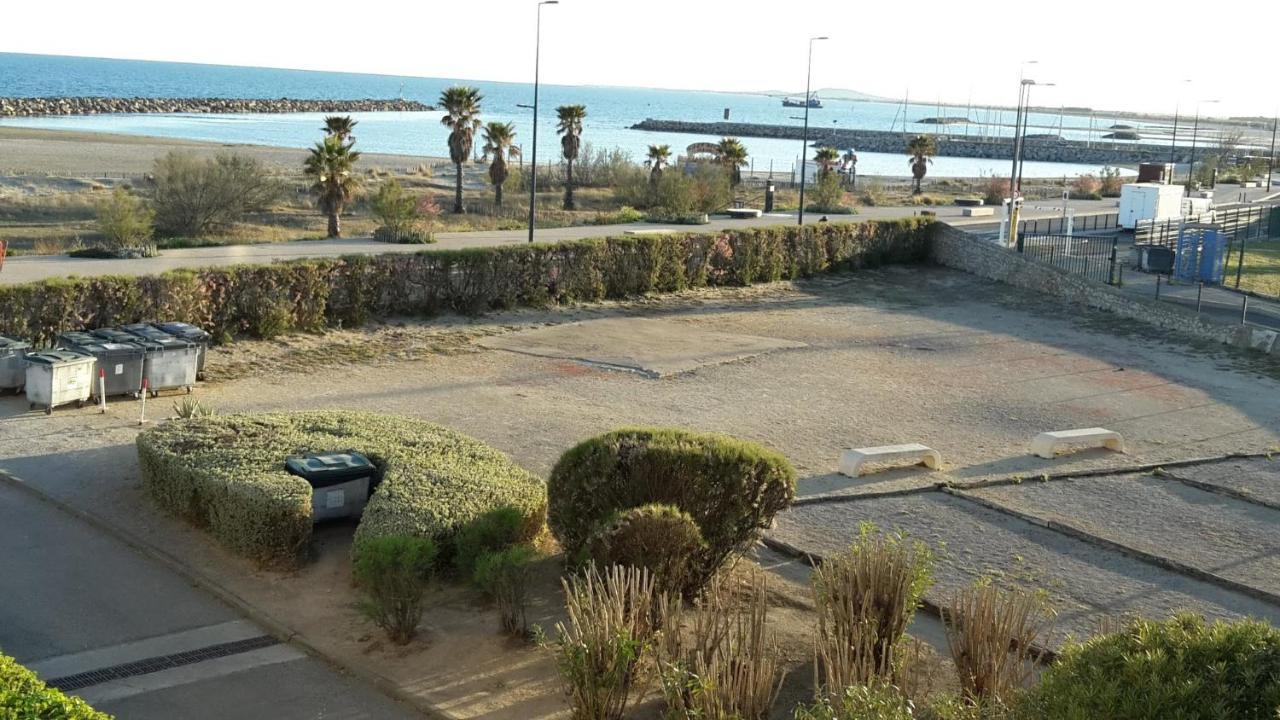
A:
(1261, 272)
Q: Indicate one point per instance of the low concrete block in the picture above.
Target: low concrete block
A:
(851, 461)
(978, 212)
(1047, 444)
(743, 213)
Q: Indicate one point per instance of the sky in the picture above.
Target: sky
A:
(935, 51)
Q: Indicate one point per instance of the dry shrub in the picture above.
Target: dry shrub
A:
(991, 633)
(660, 538)
(725, 665)
(865, 597)
(610, 630)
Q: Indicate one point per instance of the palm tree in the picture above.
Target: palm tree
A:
(656, 161)
(731, 153)
(340, 126)
(462, 117)
(827, 159)
(497, 142)
(922, 148)
(570, 128)
(331, 165)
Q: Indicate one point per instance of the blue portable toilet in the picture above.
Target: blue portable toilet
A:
(1202, 253)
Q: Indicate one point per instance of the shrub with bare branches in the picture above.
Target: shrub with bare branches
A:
(990, 633)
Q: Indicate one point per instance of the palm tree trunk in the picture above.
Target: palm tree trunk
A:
(457, 192)
(335, 225)
(568, 186)
(497, 195)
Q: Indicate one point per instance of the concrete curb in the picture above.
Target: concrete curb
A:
(1140, 555)
(1218, 489)
(276, 627)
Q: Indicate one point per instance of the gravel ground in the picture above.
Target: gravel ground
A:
(1085, 584)
(1207, 531)
(1257, 478)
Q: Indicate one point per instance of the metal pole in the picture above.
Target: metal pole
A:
(1017, 123)
(1173, 146)
(533, 162)
(1244, 310)
(804, 150)
(1191, 171)
(1022, 144)
(1271, 164)
(1199, 295)
(1240, 261)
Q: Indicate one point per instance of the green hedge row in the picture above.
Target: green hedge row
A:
(226, 474)
(310, 294)
(24, 697)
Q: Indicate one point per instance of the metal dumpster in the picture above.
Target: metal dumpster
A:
(119, 367)
(170, 363)
(340, 482)
(192, 334)
(58, 377)
(13, 364)
(74, 339)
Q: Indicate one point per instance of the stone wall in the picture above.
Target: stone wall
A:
(35, 107)
(957, 249)
(1048, 150)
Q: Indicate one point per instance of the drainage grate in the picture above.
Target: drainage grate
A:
(163, 662)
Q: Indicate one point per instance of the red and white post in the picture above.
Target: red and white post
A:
(102, 390)
(142, 418)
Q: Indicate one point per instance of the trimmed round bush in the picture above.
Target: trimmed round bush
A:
(226, 474)
(730, 488)
(24, 697)
(1179, 668)
(660, 538)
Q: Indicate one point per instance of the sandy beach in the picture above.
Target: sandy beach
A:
(26, 151)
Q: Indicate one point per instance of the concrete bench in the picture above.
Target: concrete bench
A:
(1047, 444)
(978, 212)
(851, 461)
(970, 202)
(738, 213)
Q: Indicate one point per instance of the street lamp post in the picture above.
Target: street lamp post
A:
(804, 151)
(533, 163)
(1017, 125)
(1271, 161)
(1026, 118)
(1195, 136)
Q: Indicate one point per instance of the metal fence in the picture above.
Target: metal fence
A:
(1091, 257)
(1079, 224)
(1248, 222)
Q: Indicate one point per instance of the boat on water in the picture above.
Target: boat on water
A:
(814, 102)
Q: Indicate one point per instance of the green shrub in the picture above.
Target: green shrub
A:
(310, 294)
(660, 538)
(861, 702)
(226, 474)
(394, 571)
(827, 195)
(493, 531)
(399, 214)
(194, 197)
(731, 488)
(1179, 668)
(124, 221)
(24, 697)
(1111, 183)
(504, 576)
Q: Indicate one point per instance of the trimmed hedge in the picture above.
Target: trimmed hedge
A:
(264, 300)
(659, 538)
(24, 697)
(731, 488)
(226, 474)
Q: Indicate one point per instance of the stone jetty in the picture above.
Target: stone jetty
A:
(41, 106)
(950, 143)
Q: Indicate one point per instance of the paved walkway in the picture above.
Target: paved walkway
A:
(33, 268)
(77, 606)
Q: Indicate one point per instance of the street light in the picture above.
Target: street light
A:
(1271, 161)
(1173, 145)
(1026, 117)
(1195, 133)
(533, 163)
(804, 152)
(1017, 124)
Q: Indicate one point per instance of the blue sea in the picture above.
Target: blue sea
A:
(610, 112)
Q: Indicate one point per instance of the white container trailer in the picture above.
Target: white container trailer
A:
(59, 377)
(1149, 201)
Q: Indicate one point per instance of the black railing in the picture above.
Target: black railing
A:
(1249, 222)
(1090, 257)
(1079, 224)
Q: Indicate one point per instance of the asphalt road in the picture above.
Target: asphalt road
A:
(74, 601)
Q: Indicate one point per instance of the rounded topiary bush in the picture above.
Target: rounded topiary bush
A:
(1178, 668)
(226, 473)
(730, 488)
(660, 538)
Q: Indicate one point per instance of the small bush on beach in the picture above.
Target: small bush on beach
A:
(865, 597)
(828, 195)
(1180, 668)
(399, 215)
(660, 538)
(493, 531)
(994, 191)
(731, 488)
(1111, 183)
(124, 221)
(1086, 187)
(195, 197)
(394, 572)
(504, 577)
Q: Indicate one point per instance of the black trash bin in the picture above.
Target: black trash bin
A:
(192, 334)
(340, 482)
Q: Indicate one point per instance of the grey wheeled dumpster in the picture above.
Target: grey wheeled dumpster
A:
(170, 363)
(340, 482)
(192, 334)
(58, 377)
(13, 363)
(72, 340)
(120, 367)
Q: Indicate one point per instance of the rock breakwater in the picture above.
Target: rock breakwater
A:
(44, 106)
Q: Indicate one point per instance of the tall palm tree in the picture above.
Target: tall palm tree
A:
(498, 139)
(340, 126)
(462, 117)
(331, 167)
(570, 129)
(656, 161)
(827, 159)
(921, 148)
(731, 153)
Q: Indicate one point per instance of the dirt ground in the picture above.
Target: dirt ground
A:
(970, 368)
